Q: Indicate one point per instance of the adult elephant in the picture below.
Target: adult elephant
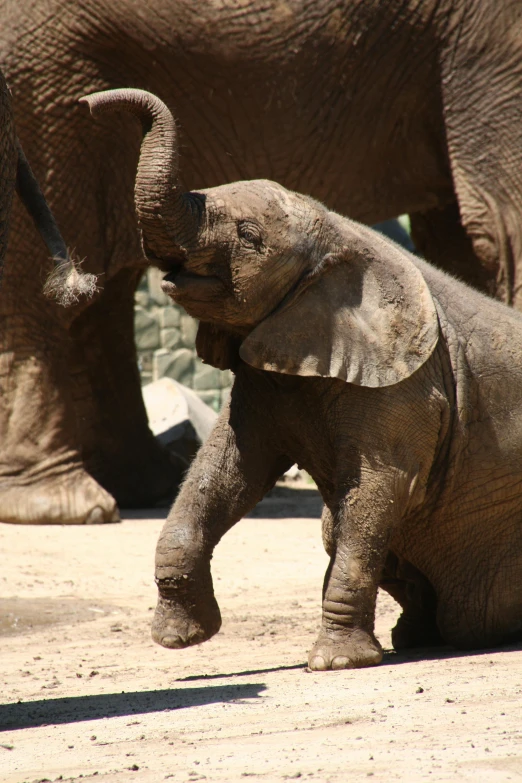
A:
(21, 327)
(376, 108)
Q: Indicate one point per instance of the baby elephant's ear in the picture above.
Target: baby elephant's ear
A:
(367, 318)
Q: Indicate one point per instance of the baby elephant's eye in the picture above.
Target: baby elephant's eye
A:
(249, 233)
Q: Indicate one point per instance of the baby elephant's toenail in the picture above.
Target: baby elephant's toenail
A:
(174, 642)
(341, 662)
(318, 664)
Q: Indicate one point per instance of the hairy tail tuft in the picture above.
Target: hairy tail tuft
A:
(67, 284)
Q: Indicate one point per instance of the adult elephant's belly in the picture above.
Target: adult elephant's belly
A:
(311, 140)
(308, 94)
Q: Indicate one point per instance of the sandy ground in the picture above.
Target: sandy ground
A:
(86, 694)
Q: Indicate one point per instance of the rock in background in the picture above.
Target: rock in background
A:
(179, 419)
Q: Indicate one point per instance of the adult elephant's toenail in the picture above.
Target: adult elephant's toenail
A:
(115, 516)
(95, 516)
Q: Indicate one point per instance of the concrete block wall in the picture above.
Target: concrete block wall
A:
(165, 341)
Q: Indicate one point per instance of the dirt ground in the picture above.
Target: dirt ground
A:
(86, 694)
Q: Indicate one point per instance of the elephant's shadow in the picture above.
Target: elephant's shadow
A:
(393, 658)
(390, 658)
(22, 715)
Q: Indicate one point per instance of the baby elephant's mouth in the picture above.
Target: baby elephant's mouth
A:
(180, 281)
(176, 273)
(173, 269)
(183, 284)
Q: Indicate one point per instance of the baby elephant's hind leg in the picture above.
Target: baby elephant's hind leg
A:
(355, 533)
(417, 625)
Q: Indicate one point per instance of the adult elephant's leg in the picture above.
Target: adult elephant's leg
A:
(481, 84)
(439, 236)
(89, 172)
(118, 447)
(42, 479)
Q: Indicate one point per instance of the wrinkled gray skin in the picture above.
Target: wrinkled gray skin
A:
(28, 323)
(397, 387)
(375, 107)
(19, 290)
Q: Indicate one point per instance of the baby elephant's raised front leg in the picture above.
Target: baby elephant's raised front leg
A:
(356, 532)
(230, 474)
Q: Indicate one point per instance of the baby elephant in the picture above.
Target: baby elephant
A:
(394, 385)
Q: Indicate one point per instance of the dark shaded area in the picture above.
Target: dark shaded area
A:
(440, 237)
(48, 712)
(392, 658)
(284, 501)
(280, 502)
(394, 230)
(144, 513)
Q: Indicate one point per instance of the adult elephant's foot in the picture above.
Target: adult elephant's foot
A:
(187, 613)
(72, 499)
(348, 650)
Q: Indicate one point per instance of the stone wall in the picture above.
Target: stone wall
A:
(165, 339)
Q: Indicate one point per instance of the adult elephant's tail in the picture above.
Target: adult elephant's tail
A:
(66, 283)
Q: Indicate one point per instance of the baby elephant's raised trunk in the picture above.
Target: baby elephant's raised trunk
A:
(163, 212)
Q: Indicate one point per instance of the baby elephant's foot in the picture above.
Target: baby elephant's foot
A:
(353, 650)
(184, 616)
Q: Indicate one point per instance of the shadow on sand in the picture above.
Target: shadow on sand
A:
(247, 673)
(443, 653)
(111, 705)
